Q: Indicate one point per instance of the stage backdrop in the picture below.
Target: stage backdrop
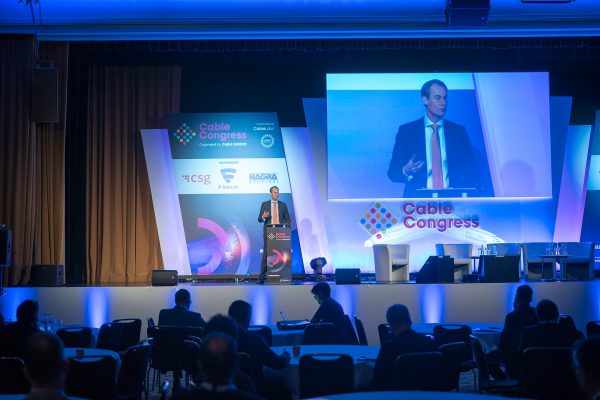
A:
(222, 168)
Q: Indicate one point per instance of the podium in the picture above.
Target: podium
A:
(278, 238)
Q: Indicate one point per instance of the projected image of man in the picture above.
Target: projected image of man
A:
(433, 152)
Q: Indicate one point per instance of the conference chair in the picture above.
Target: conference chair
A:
(420, 371)
(92, 377)
(384, 332)
(12, 378)
(360, 330)
(453, 333)
(263, 331)
(547, 374)
(453, 354)
(533, 263)
(246, 365)
(325, 374)
(110, 336)
(80, 337)
(592, 328)
(130, 336)
(132, 375)
(580, 264)
(484, 382)
(320, 333)
(391, 262)
(460, 253)
(351, 337)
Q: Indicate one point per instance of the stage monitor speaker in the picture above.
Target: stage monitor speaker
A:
(47, 275)
(347, 276)
(467, 12)
(44, 91)
(499, 269)
(164, 277)
(437, 269)
(5, 247)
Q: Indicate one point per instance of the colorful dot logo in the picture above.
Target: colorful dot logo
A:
(377, 219)
(184, 134)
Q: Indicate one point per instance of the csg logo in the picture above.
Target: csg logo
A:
(200, 178)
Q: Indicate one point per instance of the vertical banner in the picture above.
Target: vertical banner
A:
(224, 165)
(590, 230)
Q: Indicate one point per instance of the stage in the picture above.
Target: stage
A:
(428, 303)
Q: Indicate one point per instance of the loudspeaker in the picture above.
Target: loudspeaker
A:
(437, 269)
(498, 269)
(164, 277)
(44, 91)
(467, 12)
(5, 247)
(47, 275)
(348, 276)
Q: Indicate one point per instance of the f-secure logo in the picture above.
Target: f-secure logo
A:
(228, 174)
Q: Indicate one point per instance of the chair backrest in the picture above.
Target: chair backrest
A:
(580, 249)
(321, 333)
(360, 330)
(592, 328)
(385, 333)
(169, 348)
(263, 331)
(110, 337)
(547, 374)
(420, 371)
(350, 333)
(453, 354)
(581, 263)
(132, 328)
(391, 262)
(92, 377)
(325, 374)
(451, 333)
(150, 322)
(483, 369)
(132, 375)
(454, 250)
(12, 378)
(245, 365)
(81, 337)
(506, 249)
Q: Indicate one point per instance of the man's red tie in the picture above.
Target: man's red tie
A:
(437, 174)
(274, 212)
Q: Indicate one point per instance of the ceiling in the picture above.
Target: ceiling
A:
(246, 19)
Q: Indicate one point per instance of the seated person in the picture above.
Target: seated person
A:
(256, 347)
(586, 363)
(45, 367)
(329, 311)
(405, 340)
(521, 317)
(217, 364)
(14, 336)
(180, 315)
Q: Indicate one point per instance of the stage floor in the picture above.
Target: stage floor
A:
(428, 303)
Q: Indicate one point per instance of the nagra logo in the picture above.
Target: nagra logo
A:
(437, 216)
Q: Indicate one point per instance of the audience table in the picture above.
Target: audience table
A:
(286, 338)
(412, 395)
(364, 361)
(487, 333)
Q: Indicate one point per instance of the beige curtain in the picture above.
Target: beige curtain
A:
(121, 236)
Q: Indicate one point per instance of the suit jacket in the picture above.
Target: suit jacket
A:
(330, 311)
(514, 324)
(407, 342)
(410, 140)
(284, 215)
(180, 316)
(261, 355)
(13, 339)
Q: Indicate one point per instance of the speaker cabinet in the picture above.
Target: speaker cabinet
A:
(467, 12)
(347, 276)
(5, 247)
(44, 92)
(164, 277)
(437, 269)
(47, 275)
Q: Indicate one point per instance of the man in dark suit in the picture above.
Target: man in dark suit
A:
(432, 152)
(586, 363)
(521, 317)
(405, 340)
(180, 315)
(256, 347)
(45, 367)
(271, 212)
(14, 336)
(329, 311)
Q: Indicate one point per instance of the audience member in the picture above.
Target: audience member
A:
(14, 336)
(217, 364)
(45, 367)
(180, 315)
(329, 311)
(405, 340)
(521, 317)
(256, 347)
(586, 362)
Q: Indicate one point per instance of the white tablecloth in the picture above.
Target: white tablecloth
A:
(363, 356)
